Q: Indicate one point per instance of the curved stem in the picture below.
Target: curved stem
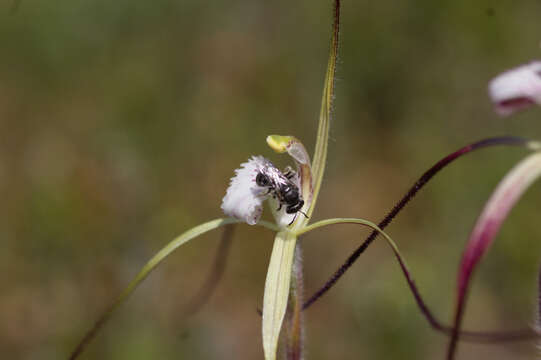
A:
(335, 221)
(145, 271)
(269, 225)
(418, 185)
(472, 336)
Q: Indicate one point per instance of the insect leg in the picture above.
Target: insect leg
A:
(294, 218)
(289, 173)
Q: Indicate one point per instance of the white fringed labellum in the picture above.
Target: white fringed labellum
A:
(253, 183)
(244, 198)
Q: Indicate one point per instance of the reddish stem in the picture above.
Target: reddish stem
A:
(419, 184)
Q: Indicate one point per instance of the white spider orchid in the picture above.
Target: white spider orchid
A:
(243, 202)
(244, 199)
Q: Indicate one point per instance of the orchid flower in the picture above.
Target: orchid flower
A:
(245, 198)
(244, 203)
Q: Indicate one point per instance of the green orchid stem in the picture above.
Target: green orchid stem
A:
(151, 265)
(269, 225)
(334, 221)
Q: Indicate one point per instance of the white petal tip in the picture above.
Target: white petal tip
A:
(516, 89)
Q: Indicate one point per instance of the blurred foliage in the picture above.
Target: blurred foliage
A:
(122, 121)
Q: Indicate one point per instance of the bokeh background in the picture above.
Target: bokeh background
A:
(121, 123)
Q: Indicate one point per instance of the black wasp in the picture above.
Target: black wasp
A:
(282, 187)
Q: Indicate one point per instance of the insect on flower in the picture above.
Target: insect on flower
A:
(253, 183)
(282, 187)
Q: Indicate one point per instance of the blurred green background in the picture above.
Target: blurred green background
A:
(121, 123)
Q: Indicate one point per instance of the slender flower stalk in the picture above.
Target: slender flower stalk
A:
(145, 271)
(410, 194)
(470, 336)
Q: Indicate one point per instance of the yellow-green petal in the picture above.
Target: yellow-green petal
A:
(279, 143)
(149, 266)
